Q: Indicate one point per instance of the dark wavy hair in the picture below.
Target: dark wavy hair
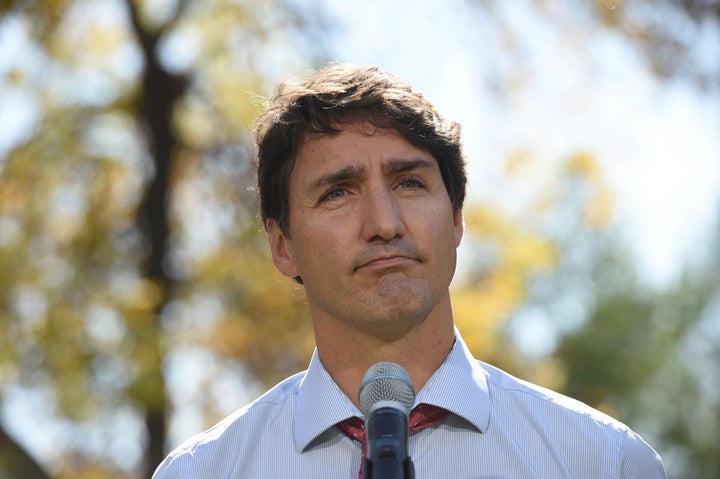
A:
(342, 93)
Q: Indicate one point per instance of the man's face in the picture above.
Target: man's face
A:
(372, 231)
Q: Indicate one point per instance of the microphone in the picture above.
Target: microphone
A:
(386, 396)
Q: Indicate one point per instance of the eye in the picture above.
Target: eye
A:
(411, 182)
(333, 193)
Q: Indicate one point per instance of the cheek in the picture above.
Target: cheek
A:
(321, 246)
(437, 224)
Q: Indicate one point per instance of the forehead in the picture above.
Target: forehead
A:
(356, 144)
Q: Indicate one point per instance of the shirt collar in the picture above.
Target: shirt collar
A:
(320, 405)
(459, 385)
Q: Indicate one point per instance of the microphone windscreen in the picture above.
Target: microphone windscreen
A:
(386, 381)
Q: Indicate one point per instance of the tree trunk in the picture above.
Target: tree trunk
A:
(15, 462)
(160, 91)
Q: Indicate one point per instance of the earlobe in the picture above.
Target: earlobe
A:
(281, 248)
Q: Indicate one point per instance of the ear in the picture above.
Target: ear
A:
(458, 226)
(281, 249)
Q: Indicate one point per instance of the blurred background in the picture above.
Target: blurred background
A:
(138, 302)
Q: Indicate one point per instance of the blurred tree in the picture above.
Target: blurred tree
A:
(494, 285)
(660, 331)
(132, 166)
(677, 36)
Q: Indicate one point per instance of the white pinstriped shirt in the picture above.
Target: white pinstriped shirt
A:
(499, 427)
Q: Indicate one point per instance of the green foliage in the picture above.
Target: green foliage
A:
(640, 358)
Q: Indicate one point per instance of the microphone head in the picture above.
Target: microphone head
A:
(383, 382)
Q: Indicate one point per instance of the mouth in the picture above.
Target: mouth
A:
(386, 261)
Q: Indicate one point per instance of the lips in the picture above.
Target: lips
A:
(386, 262)
(385, 259)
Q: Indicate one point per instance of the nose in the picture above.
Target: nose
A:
(382, 217)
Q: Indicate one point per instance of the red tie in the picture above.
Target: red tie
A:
(421, 416)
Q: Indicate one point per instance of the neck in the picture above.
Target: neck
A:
(421, 350)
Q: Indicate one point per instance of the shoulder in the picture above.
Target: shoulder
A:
(582, 430)
(233, 436)
(531, 396)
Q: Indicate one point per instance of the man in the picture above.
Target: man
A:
(361, 186)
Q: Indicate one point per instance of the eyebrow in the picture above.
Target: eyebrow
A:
(344, 174)
(403, 165)
(391, 167)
